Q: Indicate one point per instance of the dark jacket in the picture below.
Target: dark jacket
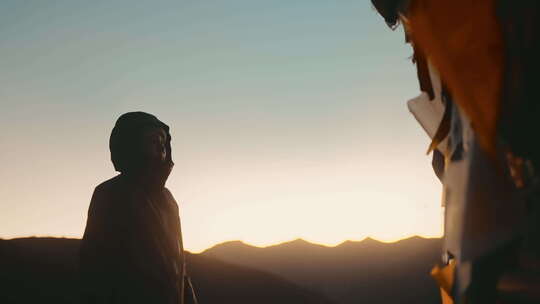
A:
(132, 249)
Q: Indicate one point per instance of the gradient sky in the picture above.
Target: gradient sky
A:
(288, 117)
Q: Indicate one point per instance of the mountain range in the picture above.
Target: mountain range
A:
(367, 271)
(44, 270)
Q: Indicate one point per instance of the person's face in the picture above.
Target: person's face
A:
(154, 142)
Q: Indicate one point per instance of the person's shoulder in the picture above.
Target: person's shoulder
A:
(167, 191)
(169, 196)
(107, 194)
(110, 186)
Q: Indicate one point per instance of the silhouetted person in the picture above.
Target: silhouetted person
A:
(132, 248)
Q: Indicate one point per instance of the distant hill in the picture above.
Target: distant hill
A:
(352, 272)
(44, 270)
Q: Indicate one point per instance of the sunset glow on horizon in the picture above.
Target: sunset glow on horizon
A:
(288, 120)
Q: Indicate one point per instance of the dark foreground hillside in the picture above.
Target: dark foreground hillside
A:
(44, 270)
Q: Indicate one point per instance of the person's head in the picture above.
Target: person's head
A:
(140, 142)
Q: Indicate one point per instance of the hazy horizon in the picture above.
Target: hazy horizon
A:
(288, 119)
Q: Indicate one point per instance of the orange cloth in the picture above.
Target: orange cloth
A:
(445, 278)
(464, 42)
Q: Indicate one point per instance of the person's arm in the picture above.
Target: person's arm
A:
(94, 253)
(187, 291)
(190, 296)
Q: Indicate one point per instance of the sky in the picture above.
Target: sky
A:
(288, 118)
